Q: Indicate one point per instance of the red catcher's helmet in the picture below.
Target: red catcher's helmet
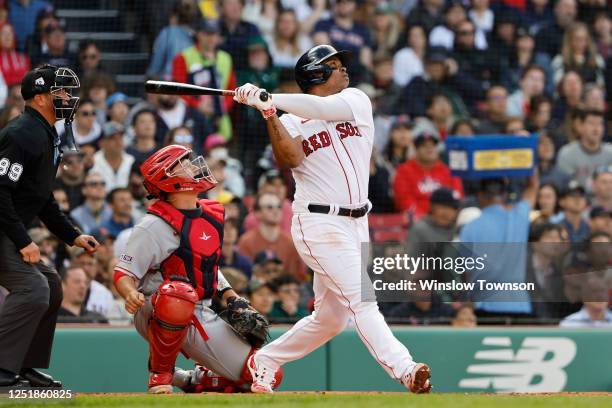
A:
(172, 170)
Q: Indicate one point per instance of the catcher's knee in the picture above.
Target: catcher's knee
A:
(173, 304)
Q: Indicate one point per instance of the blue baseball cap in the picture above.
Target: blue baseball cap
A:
(116, 97)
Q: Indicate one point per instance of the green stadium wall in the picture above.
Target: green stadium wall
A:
(462, 360)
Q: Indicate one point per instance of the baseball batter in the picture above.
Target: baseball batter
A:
(169, 274)
(326, 138)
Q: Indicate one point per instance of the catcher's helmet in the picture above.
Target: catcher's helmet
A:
(171, 170)
(310, 70)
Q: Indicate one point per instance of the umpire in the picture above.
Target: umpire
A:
(29, 158)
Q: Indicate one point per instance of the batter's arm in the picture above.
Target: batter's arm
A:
(287, 150)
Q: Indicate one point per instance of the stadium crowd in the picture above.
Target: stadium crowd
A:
(433, 69)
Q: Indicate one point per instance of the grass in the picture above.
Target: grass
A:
(326, 400)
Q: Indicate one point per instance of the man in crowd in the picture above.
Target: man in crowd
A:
(111, 161)
(120, 202)
(496, 103)
(74, 289)
(94, 211)
(573, 201)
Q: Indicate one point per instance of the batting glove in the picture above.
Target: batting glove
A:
(249, 94)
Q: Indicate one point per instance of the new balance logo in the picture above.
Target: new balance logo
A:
(304, 121)
(205, 237)
(537, 366)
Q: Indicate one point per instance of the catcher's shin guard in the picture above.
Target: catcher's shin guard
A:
(173, 307)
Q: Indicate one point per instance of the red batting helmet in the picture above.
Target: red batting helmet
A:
(172, 170)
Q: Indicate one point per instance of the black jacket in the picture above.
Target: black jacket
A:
(29, 158)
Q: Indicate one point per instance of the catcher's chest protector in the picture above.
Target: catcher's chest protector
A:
(198, 254)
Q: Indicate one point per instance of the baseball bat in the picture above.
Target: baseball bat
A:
(178, 88)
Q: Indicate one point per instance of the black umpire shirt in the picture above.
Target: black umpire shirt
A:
(29, 158)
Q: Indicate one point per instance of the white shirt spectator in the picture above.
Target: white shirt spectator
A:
(483, 22)
(113, 179)
(284, 58)
(100, 298)
(582, 319)
(406, 65)
(443, 36)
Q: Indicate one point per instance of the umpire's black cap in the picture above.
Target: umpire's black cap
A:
(38, 81)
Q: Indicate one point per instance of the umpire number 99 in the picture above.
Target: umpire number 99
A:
(14, 170)
(44, 393)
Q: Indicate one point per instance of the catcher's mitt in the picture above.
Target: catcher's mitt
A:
(249, 323)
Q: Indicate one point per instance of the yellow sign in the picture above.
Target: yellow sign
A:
(503, 159)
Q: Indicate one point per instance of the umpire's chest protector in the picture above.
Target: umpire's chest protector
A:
(201, 237)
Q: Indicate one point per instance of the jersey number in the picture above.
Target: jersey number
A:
(14, 170)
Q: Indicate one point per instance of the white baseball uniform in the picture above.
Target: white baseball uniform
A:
(335, 172)
(151, 241)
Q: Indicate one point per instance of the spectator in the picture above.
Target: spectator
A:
(85, 128)
(287, 42)
(600, 220)
(502, 223)
(538, 14)
(259, 70)
(267, 266)
(580, 158)
(287, 308)
(463, 127)
(401, 145)
(139, 193)
(22, 15)
(99, 298)
(595, 312)
(121, 203)
(344, 33)
(440, 114)
(602, 27)
(174, 38)
(515, 126)
(384, 30)
(540, 113)
(379, 192)
(13, 64)
(98, 87)
(441, 76)
(57, 52)
(593, 97)
(549, 172)
(464, 317)
(544, 270)
(261, 13)
(579, 53)
(483, 17)
(602, 187)
(569, 91)
(531, 84)
(268, 235)
(235, 31)
(549, 36)
(230, 257)
(71, 177)
(34, 43)
(437, 226)
(216, 149)
(261, 297)
(144, 145)
(94, 211)
(112, 162)
(429, 13)
(219, 192)
(272, 182)
(523, 54)
(474, 61)
(9, 113)
(443, 35)
(573, 203)
(495, 112)
(388, 92)
(73, 308)
(408, 61)
(88, 58)
(204, 64)
(417, 178)
(118, 108)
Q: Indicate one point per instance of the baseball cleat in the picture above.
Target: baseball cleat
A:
(183, 379)
(263, 377)
(160, 383)
(417, 380)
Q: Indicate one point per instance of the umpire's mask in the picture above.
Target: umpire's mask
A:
(66, 80)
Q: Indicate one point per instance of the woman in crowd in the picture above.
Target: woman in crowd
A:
(13, 64)
(579, 53)
(408, 62)
(287, 43)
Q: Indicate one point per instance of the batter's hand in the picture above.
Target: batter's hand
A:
(30, 253)
(249, 94)
(87, 242)
(134, 301)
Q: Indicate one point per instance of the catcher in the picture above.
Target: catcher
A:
(169, 275)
